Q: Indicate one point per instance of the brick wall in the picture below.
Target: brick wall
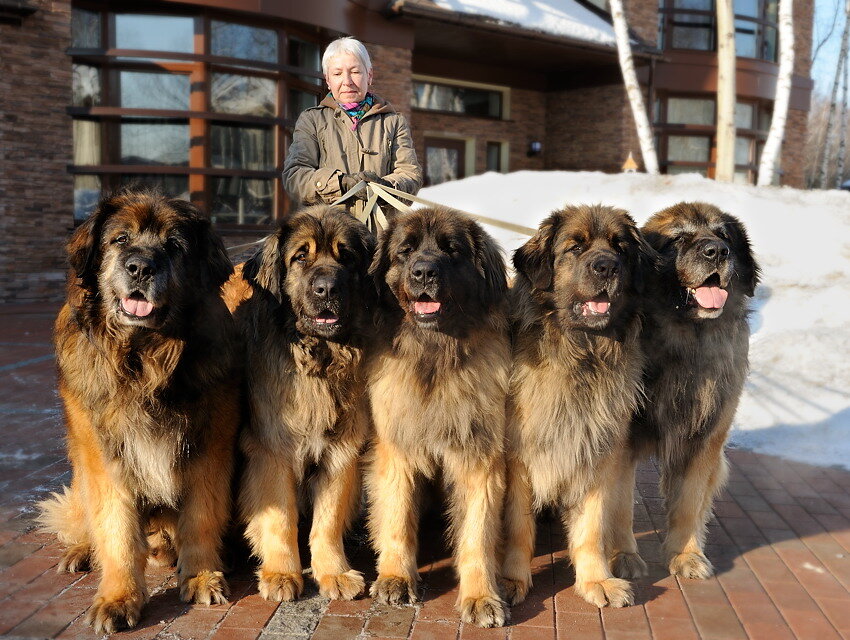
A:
(642, 16)
(527, 123)
(36, 191)
(392, 80)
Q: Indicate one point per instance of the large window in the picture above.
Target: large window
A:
(465, 100)
(197, 104)
(686, 128)
(690, 24)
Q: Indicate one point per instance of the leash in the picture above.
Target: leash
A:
(373, 216)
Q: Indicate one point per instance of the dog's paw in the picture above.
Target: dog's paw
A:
(280, 587)
(344, 586)
(691, 565)
(161, 550)
(628, 566)
(76, 558)
(514, 591)
(208, 587)
(393, 590)
(484, 612)
(612, 592)
(111, 615)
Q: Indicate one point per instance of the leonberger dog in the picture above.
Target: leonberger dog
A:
(696, 340)
(147, 357)
(575, 385)
(305, 321)
(437, 381)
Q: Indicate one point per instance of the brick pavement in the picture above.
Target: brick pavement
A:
(780, 540)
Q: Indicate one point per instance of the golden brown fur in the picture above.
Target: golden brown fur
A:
(697, 363)
(437, 384)
(575, 384)
(150, 400)
(307, 412)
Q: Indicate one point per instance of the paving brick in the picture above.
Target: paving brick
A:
(576, 625)
(424, 630)
(338, 628)
(626, 623)
(391, 622)
(672, 628)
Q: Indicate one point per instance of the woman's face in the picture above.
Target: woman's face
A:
(347, 79)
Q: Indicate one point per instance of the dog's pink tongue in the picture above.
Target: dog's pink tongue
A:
(711, 297)
(140, 308)
(598, 307)
(426, 307)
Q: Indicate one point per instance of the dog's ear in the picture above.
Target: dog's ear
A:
(83, 248)
(645, 260)
(216, 266)
(534, 260)
(747, 270)
(266, 270)
(490, 264)
(381, 258)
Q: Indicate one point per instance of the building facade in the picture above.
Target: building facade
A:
(201, 97)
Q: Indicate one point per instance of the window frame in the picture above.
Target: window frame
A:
(463, 84)
(199, 66)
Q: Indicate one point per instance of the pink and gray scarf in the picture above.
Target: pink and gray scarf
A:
(356, 110)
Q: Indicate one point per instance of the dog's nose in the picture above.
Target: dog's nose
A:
(424, 271)
(715, 250)
(605, 267)
(139, 267)
(324, 286)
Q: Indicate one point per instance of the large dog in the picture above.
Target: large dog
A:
(146, 351)
(438, 383)
(305, 322)
(696, 339)
(576, 383)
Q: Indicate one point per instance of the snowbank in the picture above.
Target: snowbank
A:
(797, 399)
(558, 17)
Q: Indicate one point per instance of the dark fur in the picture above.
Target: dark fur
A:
(697, 364)
(305, 387)
(150, 402)
(576, 383)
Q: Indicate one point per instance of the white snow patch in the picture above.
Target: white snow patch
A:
(796, 402)
(557, 17)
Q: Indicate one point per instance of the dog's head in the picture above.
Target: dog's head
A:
(142, 258)
(317, 262)
(586, 264)
(441, 269)
(706, 258)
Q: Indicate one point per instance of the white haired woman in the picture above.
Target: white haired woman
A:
(351, 135)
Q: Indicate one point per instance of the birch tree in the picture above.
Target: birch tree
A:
(770, 153)
(624, 50)
(842, 57)
(842, 136)
(724, 170)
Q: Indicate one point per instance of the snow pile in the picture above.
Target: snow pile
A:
(558, 17)
(797, 399)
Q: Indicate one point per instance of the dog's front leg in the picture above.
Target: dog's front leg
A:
(335, 500)
(479, 492)
(203, 516)
(519, 533)
(586, 534)
(119, 549)
(622, 547)
(393, 522)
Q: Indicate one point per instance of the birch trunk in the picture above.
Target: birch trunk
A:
(842, 57)
(724, 168)
(624, 49)
(842, 137)
(771, 153)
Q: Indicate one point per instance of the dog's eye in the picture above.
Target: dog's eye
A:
(403, 251)
(174, 243)
(121, 238)
(301, 256)
(576, 248)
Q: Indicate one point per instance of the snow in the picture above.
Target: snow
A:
(557, 17)
(796, 402)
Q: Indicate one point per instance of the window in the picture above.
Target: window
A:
(456, 99)
(494, 156)
(690, 24)
(194, 102)
(686, 127)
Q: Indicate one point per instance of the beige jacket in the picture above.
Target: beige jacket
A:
(324, 148)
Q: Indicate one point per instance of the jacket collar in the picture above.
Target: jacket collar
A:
(380, 106)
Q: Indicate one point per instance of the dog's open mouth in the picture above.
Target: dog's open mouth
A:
(327, 317)
(136, 306)
(709, 295)
(597, 306)
(426, 307)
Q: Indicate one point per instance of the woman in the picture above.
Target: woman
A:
(351, 135)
